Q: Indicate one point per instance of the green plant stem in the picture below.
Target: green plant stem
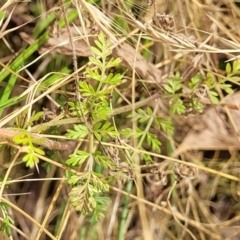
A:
(130, 107)
(102, 74)
(116, 111)
(9, 134)
(147, 128)
(91, 151)
(125, 211)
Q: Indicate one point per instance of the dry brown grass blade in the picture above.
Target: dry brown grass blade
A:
(209, 28)
(8, 135)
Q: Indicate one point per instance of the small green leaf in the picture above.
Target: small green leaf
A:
(101, 38)
(236, 66)
(86, 89)
(177, 106)
(80, 131)
(31, 159)
(178, 76)
(209, 80)
(96, 51)
(106, 53)
(105, 130)
(22, 138)
(113, 62)
(214, 97)
(147, 158)
(165, 125)
(93, 74)
(113, 79)
(6, 226)
(101, 111)
(228, 68)
(104, 160)
(128, 133)
(168, 88)
(153, 142)
(149, 111)
(2, 15)
(96, 62)
(99, 44)
(229, 90)
(77, 159)
(38, 151)
(195, 81)
(33, 118)
(72, 180)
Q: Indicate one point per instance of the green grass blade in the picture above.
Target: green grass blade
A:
(5, 102)
(24, 56)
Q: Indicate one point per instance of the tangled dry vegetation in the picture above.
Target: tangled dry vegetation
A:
(189, 189)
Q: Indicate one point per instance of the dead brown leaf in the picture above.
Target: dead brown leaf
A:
(214, 130)
(125, 52)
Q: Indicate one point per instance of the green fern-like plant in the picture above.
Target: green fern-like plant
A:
(93, 109)
(5, 227)
(25, 139)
